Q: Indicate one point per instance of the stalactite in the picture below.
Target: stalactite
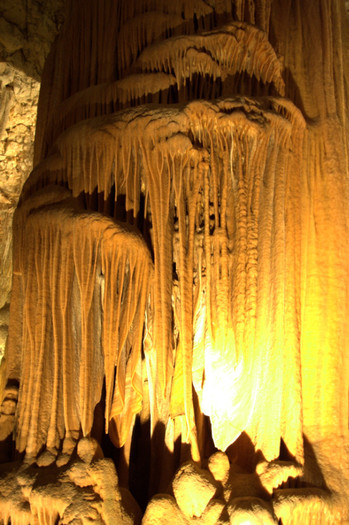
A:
(230, 50)
(178, 240)
(95, 101)
(66, 254)
(91, 158)
(106, 38)
(234, 48)
(88, 150)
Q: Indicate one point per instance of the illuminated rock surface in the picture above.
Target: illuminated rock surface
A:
(85, 491)
(180, 274)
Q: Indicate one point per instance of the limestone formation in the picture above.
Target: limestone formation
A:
(239, 498)
(27, 30)
(180, 274)
(191, 480)
(83, 492)
(18, 103)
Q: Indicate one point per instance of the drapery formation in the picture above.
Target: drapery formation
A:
(82, 282)
(220, 184)
(177, 113)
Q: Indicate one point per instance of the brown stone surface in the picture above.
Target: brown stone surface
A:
(199, 484)
(181, 275)
(27, 30)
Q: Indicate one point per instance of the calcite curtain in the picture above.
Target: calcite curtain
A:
(182, 242)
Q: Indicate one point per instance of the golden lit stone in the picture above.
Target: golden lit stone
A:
(180, 274)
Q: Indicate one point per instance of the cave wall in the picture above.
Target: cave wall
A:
(27, 30)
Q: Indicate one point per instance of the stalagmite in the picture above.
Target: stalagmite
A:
(179, 302)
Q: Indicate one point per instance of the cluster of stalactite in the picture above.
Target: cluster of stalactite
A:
(212, 178)
(216, 179)
(167, 244)
(82, 282)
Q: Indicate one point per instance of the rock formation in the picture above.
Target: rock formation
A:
(27, 30)
(180, 275)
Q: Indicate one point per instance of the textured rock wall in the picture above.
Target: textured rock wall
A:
(27, 29)
(19, 98)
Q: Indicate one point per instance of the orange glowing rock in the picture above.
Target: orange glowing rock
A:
(180, 287)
